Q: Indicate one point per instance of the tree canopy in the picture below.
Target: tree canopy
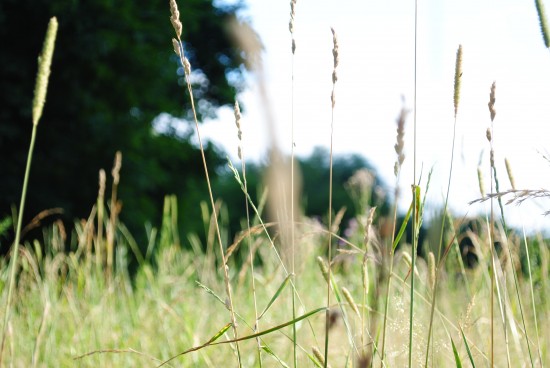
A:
(113, 73)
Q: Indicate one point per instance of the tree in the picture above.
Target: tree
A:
(113, 73)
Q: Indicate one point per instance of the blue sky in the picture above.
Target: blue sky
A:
(501, 42)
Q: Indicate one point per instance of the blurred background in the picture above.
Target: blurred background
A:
(116, 85)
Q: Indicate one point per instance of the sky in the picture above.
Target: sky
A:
(501, 42)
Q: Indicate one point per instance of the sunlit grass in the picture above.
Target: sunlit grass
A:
(261, 298)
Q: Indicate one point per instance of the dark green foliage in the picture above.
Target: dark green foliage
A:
(113, 73)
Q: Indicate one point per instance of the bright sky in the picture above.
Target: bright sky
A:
(501, 42)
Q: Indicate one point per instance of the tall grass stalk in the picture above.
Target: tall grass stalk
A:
(458, 78)
(292, 181)
(399, 150)
(176, 23)
(492, 112)
(333, 101)
(246, 38)
(238, 117)
(414, 209)
(40, 92)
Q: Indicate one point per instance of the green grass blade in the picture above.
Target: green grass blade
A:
(468, 349)
(276, 295)
(253, 336)
(403, 226)
(211, 292)
(219, 333)
(270, 352)
(457, 357)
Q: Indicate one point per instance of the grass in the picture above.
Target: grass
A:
(260, 300)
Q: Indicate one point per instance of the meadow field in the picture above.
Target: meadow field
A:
(286, 290)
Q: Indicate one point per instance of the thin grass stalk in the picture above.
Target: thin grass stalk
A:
(187, 68)
(333, 100)
(365, 280)
(399, 150)
(237, 111)
(414, 213)
(215, 216)
(292, 182)
(492, 111)
(458, 77)
(244, 36)
(40, 91)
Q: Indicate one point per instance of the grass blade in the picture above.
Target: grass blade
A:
(457, 357)
(270, 352)
(276, 295)
(468, 348)
(253, 336)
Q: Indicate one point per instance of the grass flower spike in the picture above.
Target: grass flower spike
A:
(458, 77)
(175, 18)
(43, 75)
(543, 23)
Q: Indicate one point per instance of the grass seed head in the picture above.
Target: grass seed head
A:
(176, 46)
(318, 355)
(323, 266)
(351, 301)
(187, 67)
(115, 172)
(237, 112)
(175, 18)
(400, 144)
(481, 182)
(291, 23)
(492, 100)
(102, 180)
(543, 22)
(510, 173)
(431, 269)
(336, 57)
(43, 75)
(458, 77)
(365, 276)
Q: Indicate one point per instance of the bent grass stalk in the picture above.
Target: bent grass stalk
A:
(176, 23)
(40, 92)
